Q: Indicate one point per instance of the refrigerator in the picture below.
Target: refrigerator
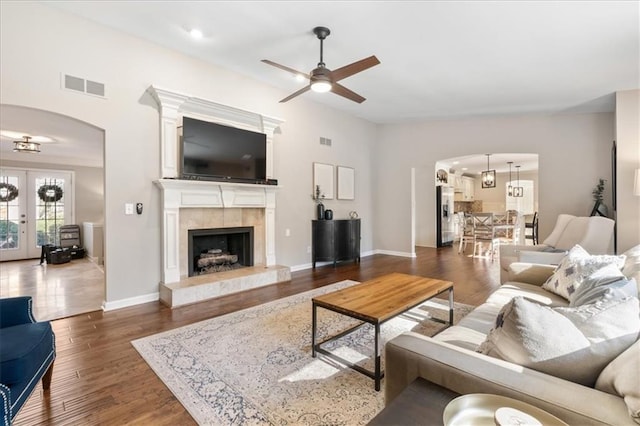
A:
(445, 230)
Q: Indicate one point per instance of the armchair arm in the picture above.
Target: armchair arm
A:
(510, 254)
(541, 257)
(15, 311)
(530, 273)
(412, 355)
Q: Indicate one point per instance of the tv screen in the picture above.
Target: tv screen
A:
(215, 151)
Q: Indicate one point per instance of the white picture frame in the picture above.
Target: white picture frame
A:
(323, 177)
(346, 183)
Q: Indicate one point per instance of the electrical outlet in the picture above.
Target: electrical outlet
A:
(308, 249)
(128, 208)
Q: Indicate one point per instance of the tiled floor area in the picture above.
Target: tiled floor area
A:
(58, 291)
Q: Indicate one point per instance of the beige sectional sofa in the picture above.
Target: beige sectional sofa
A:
(450, 360)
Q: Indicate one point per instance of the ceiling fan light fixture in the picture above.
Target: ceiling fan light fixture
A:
(321, 86)
(26, 146)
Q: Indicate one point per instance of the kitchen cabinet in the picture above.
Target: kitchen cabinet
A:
(467, 189)
(457, 183)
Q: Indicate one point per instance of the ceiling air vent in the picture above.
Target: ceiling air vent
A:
(78, 84)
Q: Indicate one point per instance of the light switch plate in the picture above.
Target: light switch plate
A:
(128, 208)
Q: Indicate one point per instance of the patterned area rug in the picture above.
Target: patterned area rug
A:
(254, 367)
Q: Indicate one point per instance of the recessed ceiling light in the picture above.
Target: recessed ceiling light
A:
(456, 162)
(465, 168)
(196, 33)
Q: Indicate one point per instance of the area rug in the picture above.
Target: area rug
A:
(254, 367)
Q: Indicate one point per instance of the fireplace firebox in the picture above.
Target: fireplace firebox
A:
(219, 249)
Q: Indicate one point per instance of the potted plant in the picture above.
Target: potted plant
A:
(318, 197)
(599, 208)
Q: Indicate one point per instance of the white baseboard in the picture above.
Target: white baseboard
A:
(132, 301)
(395, 253)
(364, 254)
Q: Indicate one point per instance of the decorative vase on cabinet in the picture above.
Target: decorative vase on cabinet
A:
(320, 208)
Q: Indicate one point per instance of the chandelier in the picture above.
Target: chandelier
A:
(510, 187)
(488, 176)
(518, 191)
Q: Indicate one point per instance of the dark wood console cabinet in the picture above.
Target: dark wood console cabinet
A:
(335, 240)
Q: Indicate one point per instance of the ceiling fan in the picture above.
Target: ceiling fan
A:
(322, 79)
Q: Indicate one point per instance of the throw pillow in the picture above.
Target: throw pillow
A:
(607, 282)
(622, 377)
(571, 343)
(574, 268)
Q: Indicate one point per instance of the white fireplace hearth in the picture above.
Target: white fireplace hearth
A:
(199, 204)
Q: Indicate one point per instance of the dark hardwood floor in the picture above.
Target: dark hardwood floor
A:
(99, 378)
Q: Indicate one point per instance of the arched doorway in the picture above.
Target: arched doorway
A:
(70, 160)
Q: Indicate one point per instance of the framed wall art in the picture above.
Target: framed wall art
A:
(346, 183)
(323, 177)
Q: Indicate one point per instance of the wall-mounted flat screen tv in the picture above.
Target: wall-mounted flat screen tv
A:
(216, 152)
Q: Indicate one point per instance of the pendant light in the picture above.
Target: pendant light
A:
(488, 176)
(518, 191)
(510, 187)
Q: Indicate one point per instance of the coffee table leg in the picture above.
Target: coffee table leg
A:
(451, 306)
(313, 331)
(377, 356)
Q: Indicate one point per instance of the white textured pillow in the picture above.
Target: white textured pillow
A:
(575, 344)
(622, 377)
(606, 282)
(575, 267)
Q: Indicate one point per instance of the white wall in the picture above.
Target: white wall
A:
(628, 147)
(32, 62)
(574, 151)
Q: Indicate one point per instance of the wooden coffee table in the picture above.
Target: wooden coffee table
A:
(375, 302)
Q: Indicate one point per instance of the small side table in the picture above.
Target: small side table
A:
(422, 402)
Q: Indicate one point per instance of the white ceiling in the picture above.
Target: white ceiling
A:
(439, 59)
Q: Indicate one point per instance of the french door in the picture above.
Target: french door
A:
(33, 206)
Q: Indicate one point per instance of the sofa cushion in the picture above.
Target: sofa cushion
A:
(23, 349)
(571, 343)
(622, 377)
(575, 267)
(605, 283)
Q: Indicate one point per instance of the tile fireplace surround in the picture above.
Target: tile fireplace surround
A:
(197, 204)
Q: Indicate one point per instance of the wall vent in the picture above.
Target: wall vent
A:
(325, 141)
(78, 84)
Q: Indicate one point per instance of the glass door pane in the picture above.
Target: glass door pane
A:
(50, 208)
(13, 244)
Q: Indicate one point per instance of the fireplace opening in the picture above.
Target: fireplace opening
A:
(219, 249)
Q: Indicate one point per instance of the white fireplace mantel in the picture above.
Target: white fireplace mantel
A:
(174, 105)
(178, 193)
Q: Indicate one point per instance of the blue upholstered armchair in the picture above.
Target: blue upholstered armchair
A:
(27, 352)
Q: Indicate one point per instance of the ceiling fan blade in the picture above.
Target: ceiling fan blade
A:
(282, 67)
(339, 89)
(356, 67)
(299, 92)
